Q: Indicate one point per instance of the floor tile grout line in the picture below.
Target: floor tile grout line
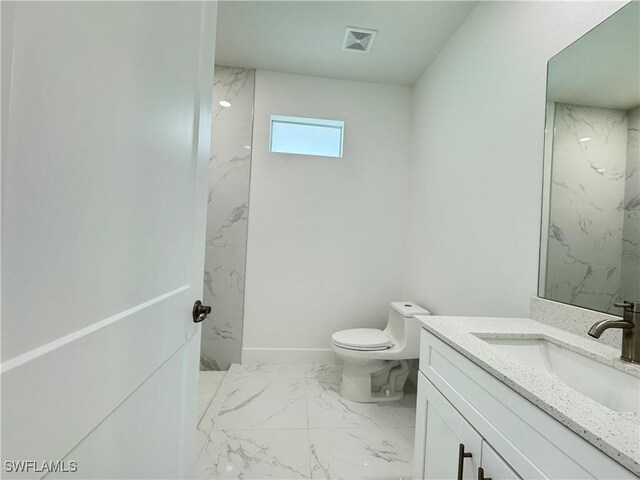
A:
(356, 428)
(209, 403)
(222, 391)
(309, 459)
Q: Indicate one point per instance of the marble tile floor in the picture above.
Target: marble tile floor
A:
(289, 421)
(208, 384)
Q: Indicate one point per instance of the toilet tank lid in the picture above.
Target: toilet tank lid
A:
(409, 309)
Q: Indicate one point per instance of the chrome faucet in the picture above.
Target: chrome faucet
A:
(630, 325)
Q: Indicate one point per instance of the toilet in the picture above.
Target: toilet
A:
(376, 362)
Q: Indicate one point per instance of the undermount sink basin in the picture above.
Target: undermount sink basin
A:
(613, 388)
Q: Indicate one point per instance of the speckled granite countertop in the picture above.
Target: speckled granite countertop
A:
(615, 433)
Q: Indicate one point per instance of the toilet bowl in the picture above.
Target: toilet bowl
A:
(376, 362)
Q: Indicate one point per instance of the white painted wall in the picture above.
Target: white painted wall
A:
(477, 144)
(326, 235)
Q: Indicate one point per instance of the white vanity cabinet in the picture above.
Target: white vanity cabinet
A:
(447, 437)
(507, 436)
(493, 466)
(451, 447)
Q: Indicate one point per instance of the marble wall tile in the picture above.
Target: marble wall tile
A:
(225, 250)
(586, 215)
(630, 276)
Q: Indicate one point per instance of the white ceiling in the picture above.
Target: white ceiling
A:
(306, 37)
(602, 68)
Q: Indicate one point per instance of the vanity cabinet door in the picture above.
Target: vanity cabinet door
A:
(442, 432)
(494, 467)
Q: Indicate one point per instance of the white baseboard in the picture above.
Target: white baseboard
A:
(288, 355)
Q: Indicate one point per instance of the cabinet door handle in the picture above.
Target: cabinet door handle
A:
(461, 456)
(481, 474)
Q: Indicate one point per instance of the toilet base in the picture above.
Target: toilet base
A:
(374, 381)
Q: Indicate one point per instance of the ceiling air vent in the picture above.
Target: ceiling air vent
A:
(358, 39)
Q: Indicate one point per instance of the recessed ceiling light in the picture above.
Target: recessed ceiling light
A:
(584, 139)
(224, 103)
(247, 147)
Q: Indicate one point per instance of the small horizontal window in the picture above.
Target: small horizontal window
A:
(306, 136)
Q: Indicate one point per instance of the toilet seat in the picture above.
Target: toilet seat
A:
(364, 339)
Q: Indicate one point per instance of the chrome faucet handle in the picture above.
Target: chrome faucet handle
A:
(623, 304)
(628, 306)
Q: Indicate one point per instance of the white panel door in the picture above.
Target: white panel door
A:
(105, 143)
(445, 433)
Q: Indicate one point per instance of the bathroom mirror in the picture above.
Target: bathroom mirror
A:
(590, 238)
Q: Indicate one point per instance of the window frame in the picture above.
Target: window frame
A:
(314, 122)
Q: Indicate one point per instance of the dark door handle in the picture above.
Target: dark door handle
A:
(461, 456)
(200, 311)
(481, 474)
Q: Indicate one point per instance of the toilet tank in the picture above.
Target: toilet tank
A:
(402, 328)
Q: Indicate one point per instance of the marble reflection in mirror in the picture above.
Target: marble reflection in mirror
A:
(590, 251)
